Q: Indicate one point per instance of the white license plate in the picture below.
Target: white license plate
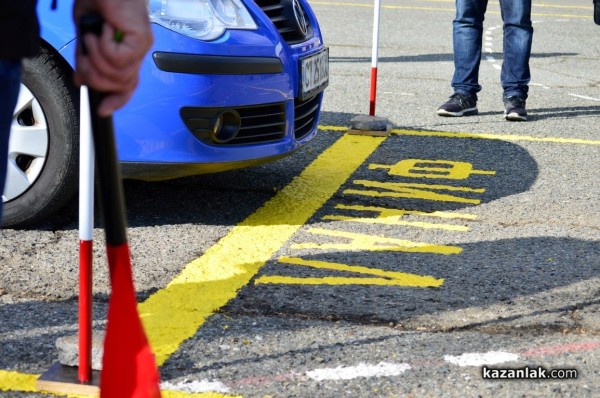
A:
(314, 73)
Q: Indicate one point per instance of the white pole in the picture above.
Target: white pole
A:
(374, 56)
(86, 169)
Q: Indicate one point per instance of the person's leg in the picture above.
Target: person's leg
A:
(518, 34)
(10, 79)
(467, 36)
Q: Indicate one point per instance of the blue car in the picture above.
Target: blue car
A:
(227, 84)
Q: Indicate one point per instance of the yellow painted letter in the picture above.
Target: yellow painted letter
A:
(423, 168)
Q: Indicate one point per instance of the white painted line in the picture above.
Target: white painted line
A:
(361, 370)
(584, 97)
(480, 359)
(539, 85)
(394, 93)
(195, 386)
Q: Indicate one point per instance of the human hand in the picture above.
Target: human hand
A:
(113, 59)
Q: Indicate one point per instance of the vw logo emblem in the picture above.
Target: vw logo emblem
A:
(300, 19)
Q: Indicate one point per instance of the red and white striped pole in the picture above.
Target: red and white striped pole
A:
(374, 57)
(86, 230)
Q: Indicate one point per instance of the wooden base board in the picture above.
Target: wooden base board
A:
(373, 133)
(65, 380)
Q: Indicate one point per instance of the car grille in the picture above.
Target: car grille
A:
(281, 13)
(258, 124)
(306, 115)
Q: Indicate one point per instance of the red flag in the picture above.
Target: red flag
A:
(128, 365)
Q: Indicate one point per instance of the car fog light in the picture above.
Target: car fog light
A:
(225, 127)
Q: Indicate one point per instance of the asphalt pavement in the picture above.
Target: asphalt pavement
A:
(435, 262)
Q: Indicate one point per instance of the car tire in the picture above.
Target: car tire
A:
(45, 182)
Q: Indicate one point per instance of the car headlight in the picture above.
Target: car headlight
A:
(201, 19)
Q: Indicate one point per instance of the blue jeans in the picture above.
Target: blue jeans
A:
(467, 39)
(10, 79)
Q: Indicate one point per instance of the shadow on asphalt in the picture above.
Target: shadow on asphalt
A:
(571, 112)
(485, 272)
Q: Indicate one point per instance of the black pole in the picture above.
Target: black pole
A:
(112, 199)
(110, 192)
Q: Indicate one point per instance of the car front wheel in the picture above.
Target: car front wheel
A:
(43, 149)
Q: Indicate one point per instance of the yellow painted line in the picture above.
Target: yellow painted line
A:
(500, 137)
(481, 136)
(390, 212)
(421, 8)
(409, 195)
(389, 216)
(418, 8)
(364, 242)
(175, 313)
(534, 4)
(384, 278)
(333, 128)
(16, 381)
(24, 382)
(587, 8)
(402, 185)
(395, 220)
(340, 281)
(413, 191)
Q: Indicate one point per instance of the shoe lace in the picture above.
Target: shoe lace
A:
(516, 102)
(458, 98)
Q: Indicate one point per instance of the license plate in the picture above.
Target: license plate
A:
(314, 73)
